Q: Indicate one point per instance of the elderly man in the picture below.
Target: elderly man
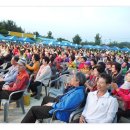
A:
(100, 106)
(20, 83)
(69, 100)
(10, 76)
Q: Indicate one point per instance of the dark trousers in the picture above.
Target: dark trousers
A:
(1, 85)
(122, 113)
(39, 112)
(33, 86)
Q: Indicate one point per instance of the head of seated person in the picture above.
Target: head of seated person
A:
(78, 79)
(14, 60)
(35, 58)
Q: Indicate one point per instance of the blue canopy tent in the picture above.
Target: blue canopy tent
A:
(11, 38)
(1, 37)
(45, 42)
(52, 43)
(115, 48)
(66, 43)
(25, 40)
(105, 47)
(125, 49)
(46, 39)
(58, 43)
(97, 47)
(88, 46)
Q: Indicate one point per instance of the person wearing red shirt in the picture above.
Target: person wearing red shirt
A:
(20, 83)
(123, 95)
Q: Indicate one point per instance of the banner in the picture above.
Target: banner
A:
(18, 34)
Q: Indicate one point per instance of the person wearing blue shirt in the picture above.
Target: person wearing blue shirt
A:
(10, 76)
(68, 101)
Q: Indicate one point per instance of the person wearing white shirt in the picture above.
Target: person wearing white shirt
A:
(100, 106)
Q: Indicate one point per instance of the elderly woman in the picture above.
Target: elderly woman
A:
(43, 76)
(69, 100)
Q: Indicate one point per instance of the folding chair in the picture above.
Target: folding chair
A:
(11, 99)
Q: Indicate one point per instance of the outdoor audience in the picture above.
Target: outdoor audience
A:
(46, 63)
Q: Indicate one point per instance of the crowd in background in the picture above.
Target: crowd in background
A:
(45, 62)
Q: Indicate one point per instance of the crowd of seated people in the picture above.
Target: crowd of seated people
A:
(47, 63)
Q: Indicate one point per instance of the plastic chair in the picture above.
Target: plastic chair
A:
(6, 103)
(59, 85)
(18, 100)
(78, 112)
(39, 89)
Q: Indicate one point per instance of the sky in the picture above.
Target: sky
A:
(111, 22)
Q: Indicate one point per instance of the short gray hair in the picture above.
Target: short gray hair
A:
(81, 78)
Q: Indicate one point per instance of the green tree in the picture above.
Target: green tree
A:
(98, 39)
(10, 25)
(77, 39)
(4, 32)
(36, 33)
(62, 39)
(49, 35)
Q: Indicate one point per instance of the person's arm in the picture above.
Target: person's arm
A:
(120, 93)
(70, 102)
(34, 67)
(19, 86)
(123, 96)
(12, 77)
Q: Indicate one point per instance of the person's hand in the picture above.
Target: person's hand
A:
(82, 119)
(48, 104)
(114, 86)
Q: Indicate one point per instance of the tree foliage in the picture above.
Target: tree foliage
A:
(49, 35)
(97, 39)
(36, 33)
(77, 39)
(62, 39)
(9, 25)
